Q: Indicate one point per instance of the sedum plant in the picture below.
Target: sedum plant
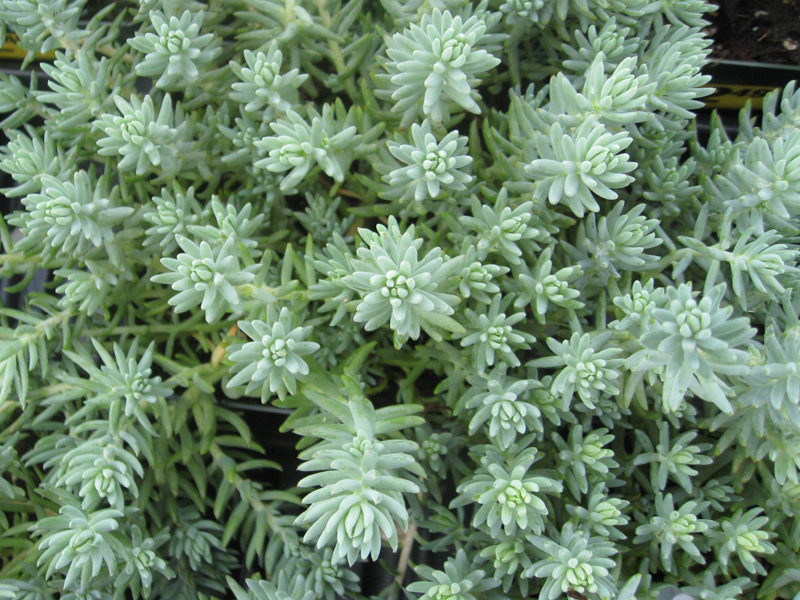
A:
(429, 165)
(531, 334)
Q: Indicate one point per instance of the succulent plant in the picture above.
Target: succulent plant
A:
(474, 255)
(175, 50)
(273, 361)
(399, 287)
(434, 64)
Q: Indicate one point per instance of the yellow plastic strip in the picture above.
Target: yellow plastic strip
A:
(734, 96)
(11, 51)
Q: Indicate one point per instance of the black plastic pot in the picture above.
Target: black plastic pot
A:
(737, 82)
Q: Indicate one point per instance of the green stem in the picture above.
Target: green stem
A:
(613, 289)
(238, 482)
(45, 392)
(574, 321)
(157, 329)
(23, 419)
(19, 263)
(20, 557)
(600, 318)
(513, 54)
(42, 327)
(336, 53)
(15, 259)
(210, 373)
(407, 387)
(111, 52)
(668, 260)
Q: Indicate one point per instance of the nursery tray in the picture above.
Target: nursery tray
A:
(11, 51)
(736, 82)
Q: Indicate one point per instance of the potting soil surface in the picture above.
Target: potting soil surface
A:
(766, 31)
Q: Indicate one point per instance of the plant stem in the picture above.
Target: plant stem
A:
(402, 563)
(42, 327)
(13, 562)
(336, 53)
(23, 419)
(244, 489)
(19, 263)
(157, 329)
(110, 51)
(14, 259)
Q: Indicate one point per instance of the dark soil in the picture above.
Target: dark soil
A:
(766, 31)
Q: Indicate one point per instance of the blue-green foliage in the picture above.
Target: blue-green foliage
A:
(174, 52)
(360, 500)
(427, 167)
(274, 357)
(432, 66)
(399, 287)
(473, 253)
